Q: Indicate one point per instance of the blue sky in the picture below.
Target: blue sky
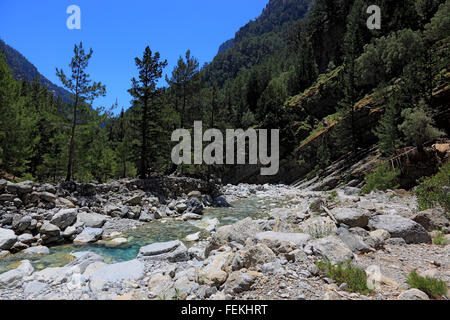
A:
(118, 31)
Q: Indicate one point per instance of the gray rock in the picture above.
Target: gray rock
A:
(91, 220)
(258, 254)
(333, 249)
(353, 242)
(35, 288)
(118, 272)
(7, 239)
(221, 202)
(432, 219)
(49, 229)
(194, 205)
(26, 238)
(300, 239)
(146, 217)
(174, 251)
(88, 235)
(239, 282)
(36, 251)
(23, 224)
(400, 227)
(48, 197)
(352, 217)
(134, 201)
(319, 227)
(14, 278)
(53, 276)
(24, 187)
(64, 218)
(413, 294)
(181, 207)
(351, 191)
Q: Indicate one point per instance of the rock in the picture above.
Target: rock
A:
(220, 202)
(351, 191)
(35, 288)
(24, 187)
(258, 254)
(432, 219)
(88, 235)
(64, 218)
(331, 295)
(196, 253)
(280, 213)
(191, 216)
(49, 229)
(36, 251)
(196, 194)
(4, 253)
(26, 238)
(239, 282)
(53, 276)
(194, 205)
(91, 220)
(300, 239)
(185, 287)
(116, 242)
(161, 287)
(134, 201)
(193, 237)
(396, 242)
(174, 251)
(7, 239)
(413, 294)
(84, 260)
(146, 217)
(3, 184)
(432, 273)
(319, 227)
(352, 217)
(70, 232)
(213, 270)
(48, 197)
(333, 249)
(117, 272)
(353, 242)
(14, 278)
(379, 237)
(66, 203)
(400, 227)
(112, 210)
(23, 224)
(181, 207)
(76, 282)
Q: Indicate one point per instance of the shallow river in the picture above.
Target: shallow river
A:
(157, 231)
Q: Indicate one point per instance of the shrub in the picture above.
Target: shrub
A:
(382, 178)
(435, 190)
(434, 288)
(355, 278)
(440, 239)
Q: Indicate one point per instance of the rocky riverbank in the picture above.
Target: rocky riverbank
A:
(270, 258)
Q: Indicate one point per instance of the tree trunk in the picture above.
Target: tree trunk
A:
(72, 141)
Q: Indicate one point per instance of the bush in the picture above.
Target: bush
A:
(435, 190)
(382, 178)
(434, 288)
(440, 239)
(355, 278)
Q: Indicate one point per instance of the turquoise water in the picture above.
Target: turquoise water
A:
(157, 231)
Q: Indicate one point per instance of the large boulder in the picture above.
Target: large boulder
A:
(413, 294)
(173, 251)
(352, 217)
(64, 218)
(332, 248)
(194, 205)
(300, 239)
(432, 219)
(213, 271)
(14, 278)
(319, 227)
(33, 252)
(353, 241)
(400, 227)
(118, 272)
(88, 235)
(239, 282)
(257, 254)
(91, 220)
(50, 229)
(24, 187)
(7, 239)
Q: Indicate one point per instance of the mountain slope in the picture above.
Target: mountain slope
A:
(24, 70)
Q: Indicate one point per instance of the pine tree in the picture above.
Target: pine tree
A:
(387, 131)
(82, 90)
(144, 91)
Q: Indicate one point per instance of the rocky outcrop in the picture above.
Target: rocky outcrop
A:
(400, 227)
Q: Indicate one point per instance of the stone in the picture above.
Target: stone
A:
(49, 229)
(14, 278)
(35, 288)
(36, 251)
(130, 270)
(196, 253)
(432, 219)
(333, 249)
(413, 294)
(24, 187)
(64, 218)
(91, 220)
(88, 235)
(239, 282)
(193, 237)
(378, 237)
(196, 194)
(116, 242)
(146, 217)
(26, 238)
(161, 287)
(7, 239)
(297, 255)
(48, 197)
(352, 217)
(352, 191)
(194, 205)
(53, 276)
(181, 207)
(70, 232)
(84, 260)
(353, 242)
(300, 239)
(220, 202)
(134, 201)
(375, 278)
(213, 270)
(191, 216)
(173, 251)
(400, 227)
(258, 254)
(23, 224)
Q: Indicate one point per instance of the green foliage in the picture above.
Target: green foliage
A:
(382, 178)
(387, 131)
(354, 277)
(434, 191)
(418, 127)
(434, 288)
(440, 239)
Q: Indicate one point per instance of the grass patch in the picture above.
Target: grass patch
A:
(434, 288)
(355, 278)
(440, 239)
(434, 191)
(382, 178)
